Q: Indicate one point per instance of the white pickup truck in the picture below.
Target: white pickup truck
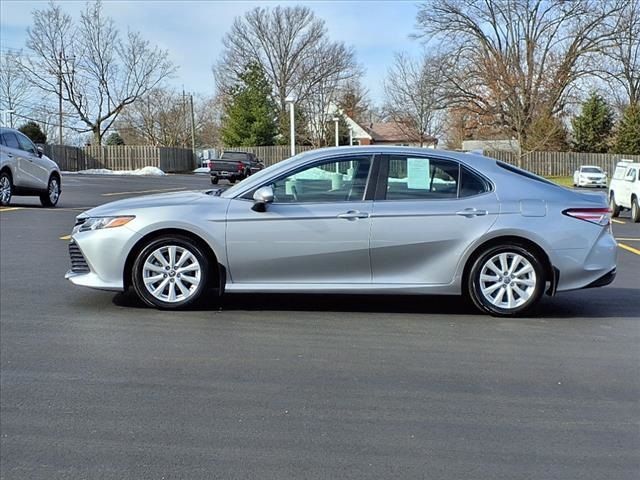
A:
(624, 189)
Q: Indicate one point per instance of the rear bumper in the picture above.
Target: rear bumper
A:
(604, 280)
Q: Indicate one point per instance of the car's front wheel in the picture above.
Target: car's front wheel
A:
(506, 280)
(170, 272)
(6, 189)
(52, 195)
(214, 180)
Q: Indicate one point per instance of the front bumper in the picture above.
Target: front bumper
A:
(98, 257)
(583, 182)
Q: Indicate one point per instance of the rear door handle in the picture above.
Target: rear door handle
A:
(353, 215)
(472, 212)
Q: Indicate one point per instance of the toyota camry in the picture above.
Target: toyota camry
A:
(366, 220)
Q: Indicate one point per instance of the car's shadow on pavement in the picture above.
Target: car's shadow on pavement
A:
(609, 302)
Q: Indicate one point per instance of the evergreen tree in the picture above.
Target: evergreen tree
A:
(249, 114)
(627, 139)
(34, 132)
(592, 128)
(114, 139)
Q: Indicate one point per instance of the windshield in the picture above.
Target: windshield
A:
(591, 170)
(256, 177)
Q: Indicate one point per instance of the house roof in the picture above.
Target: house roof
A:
(392, 132)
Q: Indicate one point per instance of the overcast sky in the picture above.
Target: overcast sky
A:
(192, 31)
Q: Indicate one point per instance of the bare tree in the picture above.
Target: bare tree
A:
(516, 60)
(163, 118)
(15, 89)
(95, 70)
(622, 59)
(292, 47)
(414, 97)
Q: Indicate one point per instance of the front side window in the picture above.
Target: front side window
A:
(343, 180)
(26, 144)
(631, 175)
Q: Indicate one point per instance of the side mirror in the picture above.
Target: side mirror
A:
(40, 151)
(261, 197)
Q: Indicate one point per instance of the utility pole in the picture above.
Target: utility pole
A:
(193, 126)
(60, 101)
(184, 118)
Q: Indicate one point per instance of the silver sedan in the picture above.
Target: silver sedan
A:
(377, 220)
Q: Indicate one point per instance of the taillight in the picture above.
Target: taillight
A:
(240, 166)
(599, 216)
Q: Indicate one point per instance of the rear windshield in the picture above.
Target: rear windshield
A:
(524, 173)
(235, 156)
(590, 170)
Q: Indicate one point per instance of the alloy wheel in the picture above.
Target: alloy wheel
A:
(5, 190)
(507, 280)
(171, 274)
(54, 191)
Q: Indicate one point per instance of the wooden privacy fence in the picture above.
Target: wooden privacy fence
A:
(560, 164)
(121, 157)
(270, 154)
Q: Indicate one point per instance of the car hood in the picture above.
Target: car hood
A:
(131, 205)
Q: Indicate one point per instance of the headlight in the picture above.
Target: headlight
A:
(98, 223)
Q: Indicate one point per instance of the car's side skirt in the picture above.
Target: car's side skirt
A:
(348, 288)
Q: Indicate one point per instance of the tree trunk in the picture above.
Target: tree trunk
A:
(97, 136)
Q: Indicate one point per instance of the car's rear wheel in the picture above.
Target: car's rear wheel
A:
(52, 195)
(6, 189)
(613, 206)
(635, 210)
(170, 272)
(506, 280)
(214, 180)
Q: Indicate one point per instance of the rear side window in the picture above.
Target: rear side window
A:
(10, 140)
(415, 178)
(423, 178)
(471, 184)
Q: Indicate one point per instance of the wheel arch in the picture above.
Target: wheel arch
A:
(7, 169)
(217, 278)
(550, 272)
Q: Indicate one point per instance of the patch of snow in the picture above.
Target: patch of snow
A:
(201, 170)
(145, 171)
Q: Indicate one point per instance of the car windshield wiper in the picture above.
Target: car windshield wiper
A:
(216, 193)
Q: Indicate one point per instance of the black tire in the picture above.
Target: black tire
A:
(635, 210)
(52, 195)
(214, 180)
(232, 180)
(474, 287)
(185, 243)
(6, 189)
(613, 206)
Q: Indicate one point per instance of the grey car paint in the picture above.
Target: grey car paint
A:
(370, 246)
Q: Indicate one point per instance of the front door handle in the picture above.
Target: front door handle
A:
(472, 212)
(353, 215)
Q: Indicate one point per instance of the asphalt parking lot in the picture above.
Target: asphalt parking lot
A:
(274, 387)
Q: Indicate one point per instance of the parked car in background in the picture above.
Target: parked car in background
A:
(589, 176)
(25, 170)
(234, 166)
(367, 219)
(624, 189)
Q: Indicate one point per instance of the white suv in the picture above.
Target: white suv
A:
(624, 189)
(24, 170)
